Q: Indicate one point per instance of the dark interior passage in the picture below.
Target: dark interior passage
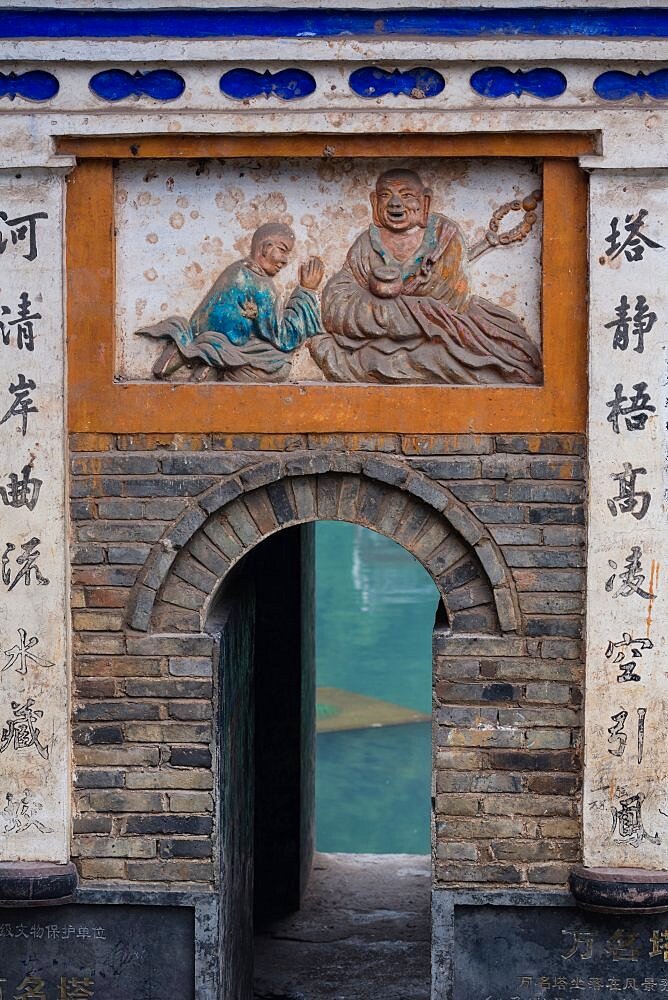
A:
(265, 620)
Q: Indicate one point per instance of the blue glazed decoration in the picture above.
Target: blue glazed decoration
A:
(420, 82)
(35, 85)
(472, 22)
(118, 84)
(497, 81)
(288, 84)
(616, 85)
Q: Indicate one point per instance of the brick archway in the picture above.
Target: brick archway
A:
(185, 569)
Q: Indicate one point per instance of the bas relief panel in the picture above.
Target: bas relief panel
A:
(339, 271)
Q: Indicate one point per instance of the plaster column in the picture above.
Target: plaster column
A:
(34, 690)
(626, 751)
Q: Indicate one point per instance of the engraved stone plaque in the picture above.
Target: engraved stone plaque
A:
(112, 952)
(524, 952)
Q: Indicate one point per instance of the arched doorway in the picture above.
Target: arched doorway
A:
(196, 581)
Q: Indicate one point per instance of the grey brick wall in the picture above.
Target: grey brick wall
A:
(507, 718)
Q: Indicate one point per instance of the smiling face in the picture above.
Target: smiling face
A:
(273, 254)
(400, 201)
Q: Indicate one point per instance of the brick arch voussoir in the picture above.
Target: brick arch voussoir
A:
(186, 567)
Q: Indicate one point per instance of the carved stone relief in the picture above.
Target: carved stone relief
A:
(329, 271)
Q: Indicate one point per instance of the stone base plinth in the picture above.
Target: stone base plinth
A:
(620, 890)
(36, 883)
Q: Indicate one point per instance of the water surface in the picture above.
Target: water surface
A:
(375, 608)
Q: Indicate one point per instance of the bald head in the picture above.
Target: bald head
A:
(270, 232)
(409, 178)
(401, 201)
(271, 246)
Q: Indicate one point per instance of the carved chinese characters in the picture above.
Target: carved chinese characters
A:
(626, 802)
(341, 272)
(34, 793)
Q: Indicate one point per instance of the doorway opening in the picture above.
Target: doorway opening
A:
(344, 912)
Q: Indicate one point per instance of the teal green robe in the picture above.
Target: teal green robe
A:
(238, 326)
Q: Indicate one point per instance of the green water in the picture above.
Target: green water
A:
(374, 622)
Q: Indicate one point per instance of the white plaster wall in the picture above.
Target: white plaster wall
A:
(179, 225)
(34, 821)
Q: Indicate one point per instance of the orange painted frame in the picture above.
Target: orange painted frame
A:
(97, 403)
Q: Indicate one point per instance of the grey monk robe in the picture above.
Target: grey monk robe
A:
(433, 331)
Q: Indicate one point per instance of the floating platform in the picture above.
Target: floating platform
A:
(338, 710)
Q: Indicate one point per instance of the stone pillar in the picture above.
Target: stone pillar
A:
(626, 751)
(34, 698)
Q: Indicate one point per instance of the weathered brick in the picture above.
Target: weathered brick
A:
(185, 848)
(548, 692)
(120, 510)
(541, 492)
(566, 649)
(167, 509)
(105, 576)
(534, 760)
(556, 874)
(446, 444)
(120, 531)
(127, 801)
(99, 642)
(479, 737)
(84, 441)
(549, 580)
(114, 711)
(97, 621)
(541, 444)
(117, 757)
(456, 851)
(551, 604)
(106, 597)
(556, 515)
(91, 823)
(183, 594)
(454, 692)
(166, 486)
(104, 869)
(149, 442)
(96, 735)
(188, 710)
(548, 739)
(170, 645)
(190, 757)
(450, 468)
(169, 688)
(170, 871)
(87, 555)
(98, 778)
(453, 871)
(190, 802)
(133, 554)
(114, 847)
(553, 784)
(170, 777)
(537, 850)
(117, 666)
(169, 823)
(168, 732)
(190, 666)
(202, 463)
(126, 465)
